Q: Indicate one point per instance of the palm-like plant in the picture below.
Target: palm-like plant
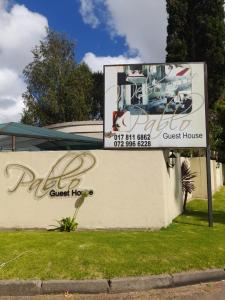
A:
(187, 181)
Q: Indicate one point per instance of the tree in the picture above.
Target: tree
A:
(220, 114)
(97, 96)
(215, 130)
(58, 89)
(187, 182)
(176, 43)
(196, 32)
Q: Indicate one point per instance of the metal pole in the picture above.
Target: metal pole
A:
(13, 143)
(208, 168)
(209, 187)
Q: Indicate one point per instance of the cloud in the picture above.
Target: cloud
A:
(20, 31)
(6, 103)
(88, 14)
(96, 63)
(142, 23)
(11, 88)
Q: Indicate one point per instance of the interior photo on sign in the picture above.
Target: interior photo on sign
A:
(155, 89)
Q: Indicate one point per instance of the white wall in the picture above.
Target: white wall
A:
(132, 189)
(198, 165)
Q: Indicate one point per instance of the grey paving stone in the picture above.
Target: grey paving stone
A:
(75, 286)
(186, 278)
(20, 287)
(139, 283)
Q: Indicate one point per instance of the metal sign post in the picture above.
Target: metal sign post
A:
(209, 187)
(207, 152)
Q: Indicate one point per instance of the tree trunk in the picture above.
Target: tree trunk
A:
(185, 201)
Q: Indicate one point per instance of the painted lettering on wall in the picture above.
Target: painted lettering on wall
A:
(65, 175)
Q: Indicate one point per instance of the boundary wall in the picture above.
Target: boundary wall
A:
(128, 189)
(198, 165)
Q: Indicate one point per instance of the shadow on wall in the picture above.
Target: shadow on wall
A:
(166, 154)
(176, 173)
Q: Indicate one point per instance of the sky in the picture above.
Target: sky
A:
(105, 32)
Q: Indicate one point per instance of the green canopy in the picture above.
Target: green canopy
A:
(55, 139)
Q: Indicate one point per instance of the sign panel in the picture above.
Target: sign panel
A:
(155, 106)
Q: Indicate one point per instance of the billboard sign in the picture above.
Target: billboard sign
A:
(155, 106)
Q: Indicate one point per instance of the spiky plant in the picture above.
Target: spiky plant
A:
(187, 181)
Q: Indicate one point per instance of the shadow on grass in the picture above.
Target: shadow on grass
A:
(196, 217)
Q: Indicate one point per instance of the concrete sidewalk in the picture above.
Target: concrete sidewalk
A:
(116, 285)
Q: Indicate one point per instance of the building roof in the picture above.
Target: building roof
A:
(76, 123)
(52, 139)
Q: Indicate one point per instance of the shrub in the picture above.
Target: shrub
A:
(67, 224)
(187, 181)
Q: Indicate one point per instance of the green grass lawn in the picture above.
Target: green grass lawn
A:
(186, 244)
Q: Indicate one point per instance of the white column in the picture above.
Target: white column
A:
(144, 94)
(128, 94)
